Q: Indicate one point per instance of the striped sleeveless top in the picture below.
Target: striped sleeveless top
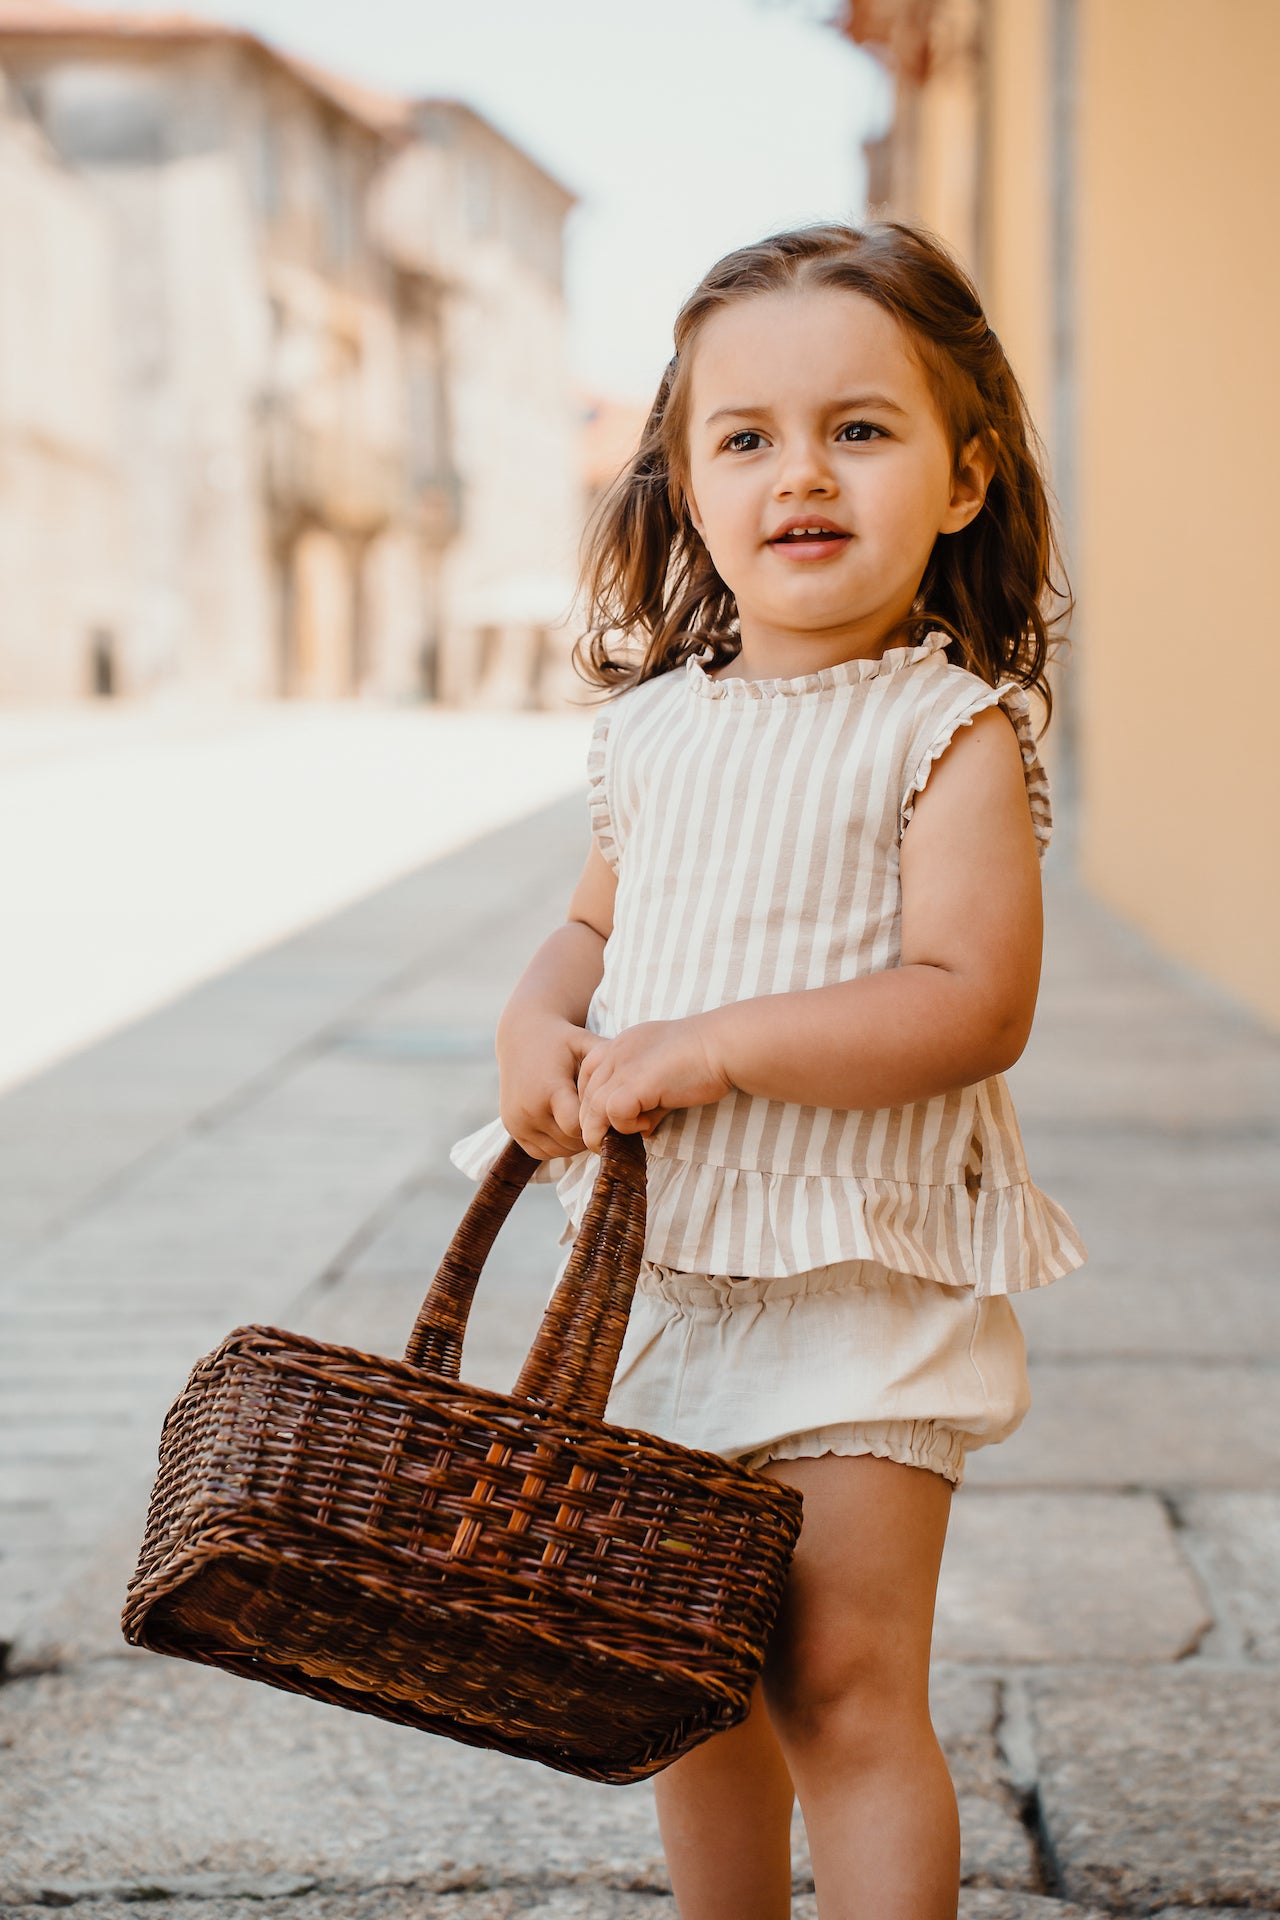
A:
(755, 826)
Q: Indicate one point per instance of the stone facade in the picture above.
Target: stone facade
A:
(296, 406)
(65, 592)
(464, 207)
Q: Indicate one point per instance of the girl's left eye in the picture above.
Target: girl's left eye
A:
(860, 430)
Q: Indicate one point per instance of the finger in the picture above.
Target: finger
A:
(565, 1112)
(624, 1112)
(593, 1125)
(547, 1146)
(624, 1108)
(538, 1132)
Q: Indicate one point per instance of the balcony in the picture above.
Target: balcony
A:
(331, 476)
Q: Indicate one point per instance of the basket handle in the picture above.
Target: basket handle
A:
(572, 1361)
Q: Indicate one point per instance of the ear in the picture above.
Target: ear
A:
(969, 482)
(691, 508)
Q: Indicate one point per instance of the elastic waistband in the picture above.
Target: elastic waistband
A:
(737, 1289)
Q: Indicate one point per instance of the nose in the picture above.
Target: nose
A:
(802, 470)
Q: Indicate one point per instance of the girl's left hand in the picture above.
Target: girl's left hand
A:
(635, 1080)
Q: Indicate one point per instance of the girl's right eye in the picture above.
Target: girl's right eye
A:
(733, 443)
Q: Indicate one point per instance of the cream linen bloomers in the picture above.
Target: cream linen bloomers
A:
(815, 1280)
(846, 1359)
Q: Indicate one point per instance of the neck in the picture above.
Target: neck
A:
(774, 653)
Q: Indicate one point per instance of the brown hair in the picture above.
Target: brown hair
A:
(652, 594)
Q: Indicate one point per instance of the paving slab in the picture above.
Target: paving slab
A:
(1159, 1424)
(411, 1238)
(1236, 1539)
(1118, 1308)
(373, 1301)
(996, 1848)
(153, 1771)
(1182, 1231)
(68, 1135)
(1161, 1788)
(997, 1904)
(399, 1903)
(597, 1902)
(147, 1771)
(1065, 1576)
(1125, 1038)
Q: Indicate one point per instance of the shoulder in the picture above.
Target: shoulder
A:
(936, 686)
(950, 702)
(620, 710)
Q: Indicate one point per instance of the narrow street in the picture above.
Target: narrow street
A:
(271, 1146)
(144, 846)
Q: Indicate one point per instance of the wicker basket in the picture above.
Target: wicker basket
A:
(504, 1569)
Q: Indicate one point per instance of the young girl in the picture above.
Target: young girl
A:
(803, 949)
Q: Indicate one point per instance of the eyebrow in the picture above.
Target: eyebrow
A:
(877, 400)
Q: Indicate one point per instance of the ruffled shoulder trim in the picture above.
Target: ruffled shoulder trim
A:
(975, 700)
(598, 810)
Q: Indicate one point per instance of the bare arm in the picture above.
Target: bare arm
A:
(957, 1009)
(541, 1037)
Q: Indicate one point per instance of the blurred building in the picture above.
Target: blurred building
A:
(247, 418)
(1110, 170)
(462, 207)
(64, 583)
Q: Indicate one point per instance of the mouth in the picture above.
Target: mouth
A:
(810, 539)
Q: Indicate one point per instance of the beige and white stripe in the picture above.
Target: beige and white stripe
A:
(755, 829)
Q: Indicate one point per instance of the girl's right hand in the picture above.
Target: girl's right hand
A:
(538, 1060)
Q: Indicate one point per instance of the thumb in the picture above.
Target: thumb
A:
(581, 1041)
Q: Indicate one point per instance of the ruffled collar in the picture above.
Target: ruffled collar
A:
(847, 674)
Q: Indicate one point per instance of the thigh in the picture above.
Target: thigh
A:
(857, 1616)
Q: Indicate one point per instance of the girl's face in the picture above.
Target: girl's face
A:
(808, 409)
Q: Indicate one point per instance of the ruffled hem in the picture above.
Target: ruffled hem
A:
(709, 1219)
(912, 1443)
(1013, 698)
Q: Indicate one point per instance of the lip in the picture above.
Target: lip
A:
(807, 520)
(809, 549)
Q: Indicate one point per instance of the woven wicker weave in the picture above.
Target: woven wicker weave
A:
(504, 1569)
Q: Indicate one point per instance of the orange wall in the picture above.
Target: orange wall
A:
(1016, 223)
(1178, 651)
(1015, 264)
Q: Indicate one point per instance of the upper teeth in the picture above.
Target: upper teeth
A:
(800, 530)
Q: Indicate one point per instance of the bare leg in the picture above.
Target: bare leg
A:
(847, 1684)
(725, 1815)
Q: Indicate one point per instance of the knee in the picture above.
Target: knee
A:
(859, 1694)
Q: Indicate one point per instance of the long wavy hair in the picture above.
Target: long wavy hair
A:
(997, 588)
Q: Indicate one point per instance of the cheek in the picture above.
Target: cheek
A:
(728, 515)
(905, 499)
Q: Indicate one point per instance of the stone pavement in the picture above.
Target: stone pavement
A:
(272, 1148)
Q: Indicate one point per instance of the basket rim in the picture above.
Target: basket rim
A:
(678, 1460)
